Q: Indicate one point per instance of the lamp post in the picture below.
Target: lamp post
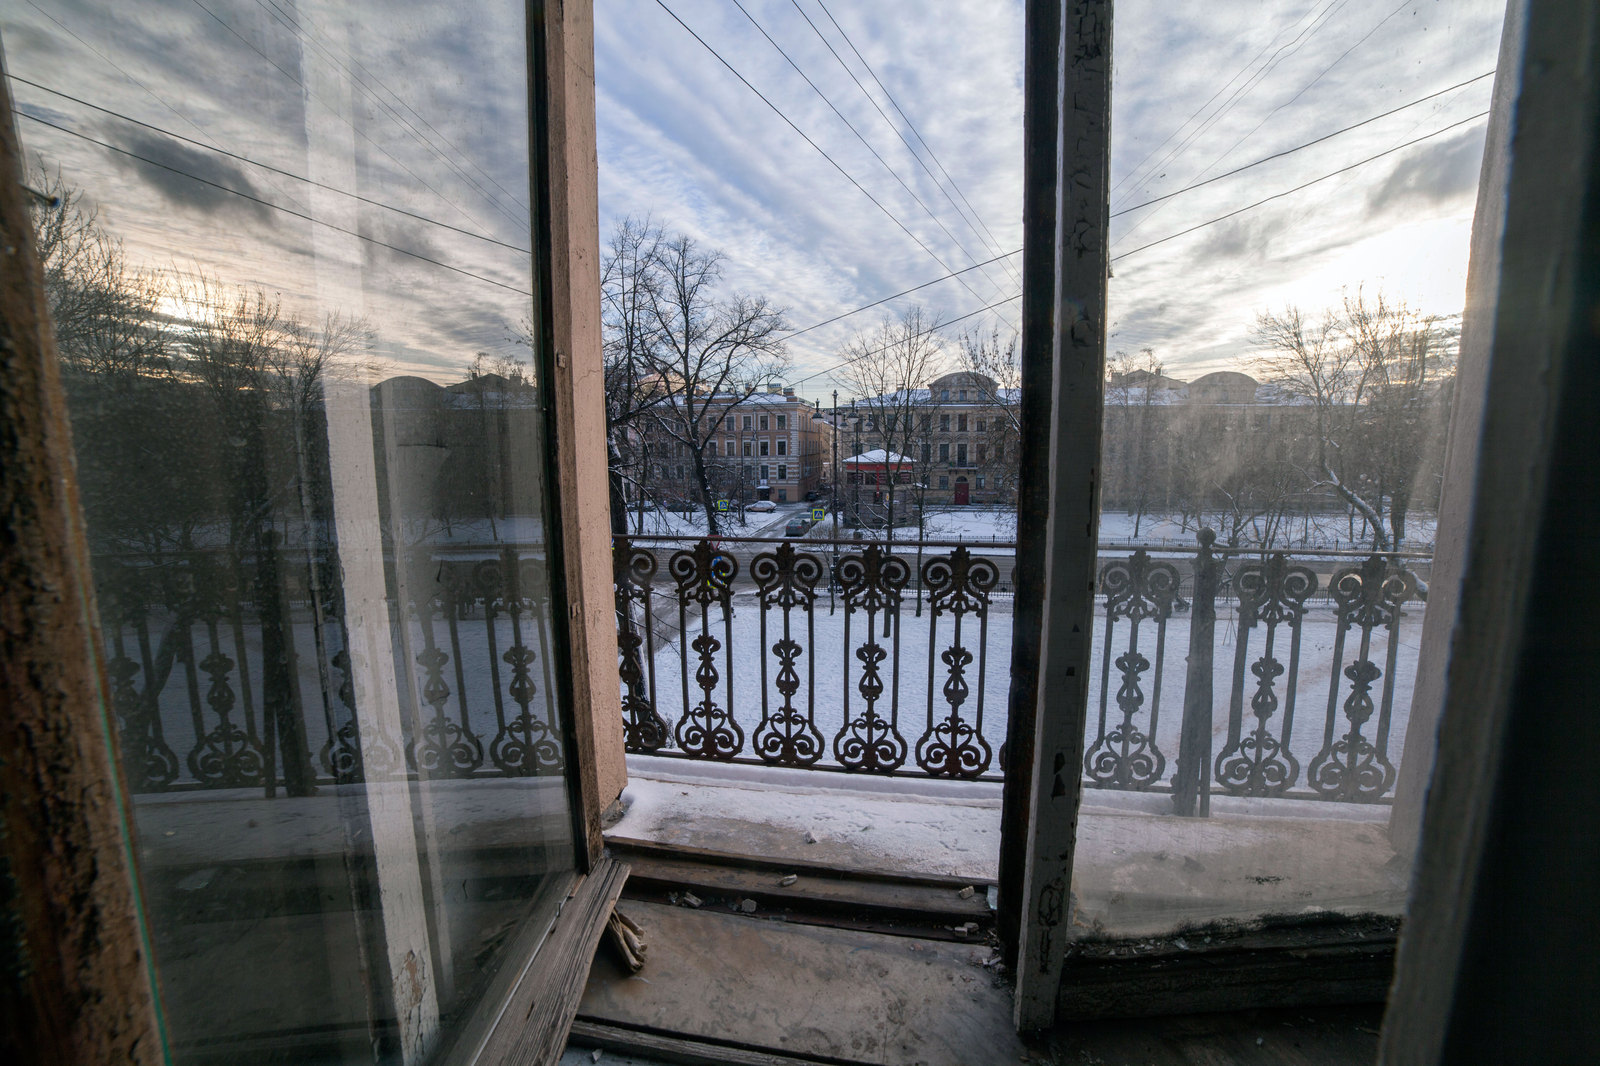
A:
(855, 453)
(833, 440)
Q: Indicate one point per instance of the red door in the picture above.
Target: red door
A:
(961, 491)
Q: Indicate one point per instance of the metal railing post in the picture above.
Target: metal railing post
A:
(1191, 782)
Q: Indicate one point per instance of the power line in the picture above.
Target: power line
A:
(984, 236)
(356, 129)
(1209, 101)
(1298, 147)
(450, 160)
(924, 333)
(1297, 188)
(147, 90)
(273, 206)
(851, 126)
(790, 123)
(909, 124)
(269, 166)
(902, 292)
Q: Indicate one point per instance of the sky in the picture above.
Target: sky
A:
(421, 110)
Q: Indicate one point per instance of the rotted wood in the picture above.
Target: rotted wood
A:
(533, 1026)
(75, 983)
(1271, 964)
(817, 894)
(627, 941)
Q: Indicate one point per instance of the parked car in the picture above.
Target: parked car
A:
(813, 495)
(797, 527)
(761, 505)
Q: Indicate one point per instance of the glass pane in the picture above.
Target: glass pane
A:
(1293, 192)
(288, 259)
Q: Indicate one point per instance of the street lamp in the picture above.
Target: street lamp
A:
(834, 509)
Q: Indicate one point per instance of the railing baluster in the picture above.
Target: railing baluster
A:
(872, 582)
(1353, 768)
(1139, 590)
(958, 585)
(1272, 595)
(643, 728)
(705, 576)
(786, 580)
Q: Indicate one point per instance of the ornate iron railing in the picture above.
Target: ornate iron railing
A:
(869, 658)
(238, 670)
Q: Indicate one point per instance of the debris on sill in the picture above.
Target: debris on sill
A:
(627, 940)
(787, 880)
(748, 905)
(967, 892)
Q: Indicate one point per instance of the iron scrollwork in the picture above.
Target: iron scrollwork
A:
(1273, 595)
(704, 577)
(871, 583)
(644, 730)
(1351, 766)
(786, 581)
(958, 586)
(1137, 590)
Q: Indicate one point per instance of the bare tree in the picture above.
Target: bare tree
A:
(888, 369)
(1376, 373)
(106, 315)
(630, 291)
(1134, 390)
(709, 353)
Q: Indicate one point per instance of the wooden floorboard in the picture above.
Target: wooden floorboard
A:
(806, 991)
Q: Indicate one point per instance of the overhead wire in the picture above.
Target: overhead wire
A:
(356, 129)
(974, 222)
(865, 143)
(909, 124)
(1303, 185)
(269, 167)
(805, 137)
(452, 161)
(269, 204)
(931, 329)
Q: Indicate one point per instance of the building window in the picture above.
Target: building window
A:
(728, 423)
(927, 422)
(746, 447)
(961, 423)
(763, 472)
(961, 454)
(711, 449)
(980, 481)
(944, 423)
(944, 453)
(681, 473)
(765, 447)
(944, 483)
(783, 421)
(783, 494)
(783, 446)
(944, 395)
(927, 452)
(783, 472)
(963, 395)
(983, 452)
(982, 426)
(763, 423)
(748, 422)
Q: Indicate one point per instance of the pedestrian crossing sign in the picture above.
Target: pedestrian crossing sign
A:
(722, 505)
(816, 514)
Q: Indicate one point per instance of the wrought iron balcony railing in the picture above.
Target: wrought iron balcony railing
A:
(239, 671)
(880, 659)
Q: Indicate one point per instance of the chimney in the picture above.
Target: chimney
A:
(774, 389)
(788, 392)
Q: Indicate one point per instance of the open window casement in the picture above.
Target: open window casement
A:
(1495, 650)
(323, 283)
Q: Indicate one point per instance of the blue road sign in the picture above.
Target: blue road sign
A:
(816, 514)
(722, 505)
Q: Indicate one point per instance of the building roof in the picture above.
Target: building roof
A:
(877, 456)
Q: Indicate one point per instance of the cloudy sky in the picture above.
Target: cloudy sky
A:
(420, 111)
